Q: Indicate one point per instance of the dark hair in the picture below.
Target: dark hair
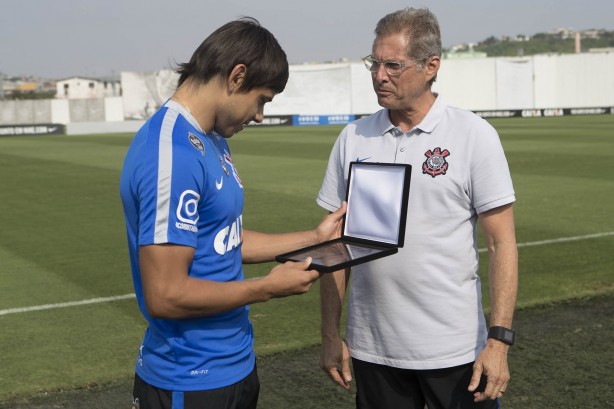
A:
(242, 41)
(421, 28)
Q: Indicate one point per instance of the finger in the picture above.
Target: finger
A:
(482, 396)
(302, 265)
(479, 397)
(315, 273)
(338, 378)
(500, 390)
(338, 214)
(305, 264)
(475, 378)
(489, 391)
(493, 388)
(346, 372)
(346, 377)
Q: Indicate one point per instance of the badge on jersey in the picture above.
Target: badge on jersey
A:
(435, 163)
(235, 173)
(197, 143)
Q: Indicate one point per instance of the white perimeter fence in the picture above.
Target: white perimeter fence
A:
(483, 84)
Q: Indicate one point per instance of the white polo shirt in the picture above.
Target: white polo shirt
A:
(421, 308)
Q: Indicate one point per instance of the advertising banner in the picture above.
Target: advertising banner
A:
(274, 120)
(304, 120)
(37, 129)
(531, 113)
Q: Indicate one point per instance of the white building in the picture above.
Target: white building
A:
(82, 87)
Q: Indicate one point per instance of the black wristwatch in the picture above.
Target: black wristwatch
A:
(502, 334)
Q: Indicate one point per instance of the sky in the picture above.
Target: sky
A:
(58, 39)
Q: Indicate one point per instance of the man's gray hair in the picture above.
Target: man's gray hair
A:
(419, 26)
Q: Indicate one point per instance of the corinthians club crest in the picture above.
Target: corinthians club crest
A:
(435, 163)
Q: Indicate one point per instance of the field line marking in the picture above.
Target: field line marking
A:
(559, 240)
(128, 296)
(67, 304)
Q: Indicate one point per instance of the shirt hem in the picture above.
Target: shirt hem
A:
(414, 365)
(326, 205)
(196, 386)
(495, 203)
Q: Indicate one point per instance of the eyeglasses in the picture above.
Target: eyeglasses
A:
(393, 68)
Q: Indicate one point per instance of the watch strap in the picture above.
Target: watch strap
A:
(502, 334)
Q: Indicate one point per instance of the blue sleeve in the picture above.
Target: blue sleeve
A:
(169, 187)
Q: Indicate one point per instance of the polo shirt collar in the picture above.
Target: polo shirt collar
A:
(434, 116)
(428, 123)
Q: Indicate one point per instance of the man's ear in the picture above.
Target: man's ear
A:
(432, 66)
(236, 78)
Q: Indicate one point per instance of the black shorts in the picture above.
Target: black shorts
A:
(385, 387)
(241, 395)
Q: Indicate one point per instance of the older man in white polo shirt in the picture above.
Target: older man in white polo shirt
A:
(416, 331)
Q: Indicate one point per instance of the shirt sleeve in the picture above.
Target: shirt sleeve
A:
(169, 192)
(333, 190)
(491, 182)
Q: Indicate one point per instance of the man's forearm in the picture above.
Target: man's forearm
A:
(262, 247)
(503, 277)
(332, 293)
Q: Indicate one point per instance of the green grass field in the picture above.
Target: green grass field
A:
(62, 238)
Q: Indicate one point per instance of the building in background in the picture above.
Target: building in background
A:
(14, 86)
(82, 87)
(26, 87)
(33, 101)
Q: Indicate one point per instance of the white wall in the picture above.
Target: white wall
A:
(514, 83)
(544, 81)
(144, 92)
(469, 84)
(86, 128)
(363, 97)
(552, 81)
(574, 81)
(315, 89)
(113, 109)
(60, 111)
(25, 112)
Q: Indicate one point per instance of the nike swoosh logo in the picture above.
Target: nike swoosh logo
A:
(219, 184)
(363, 159)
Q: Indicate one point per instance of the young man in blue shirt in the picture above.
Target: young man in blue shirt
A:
(183, 204)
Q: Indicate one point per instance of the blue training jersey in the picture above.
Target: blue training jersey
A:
(180, 186)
